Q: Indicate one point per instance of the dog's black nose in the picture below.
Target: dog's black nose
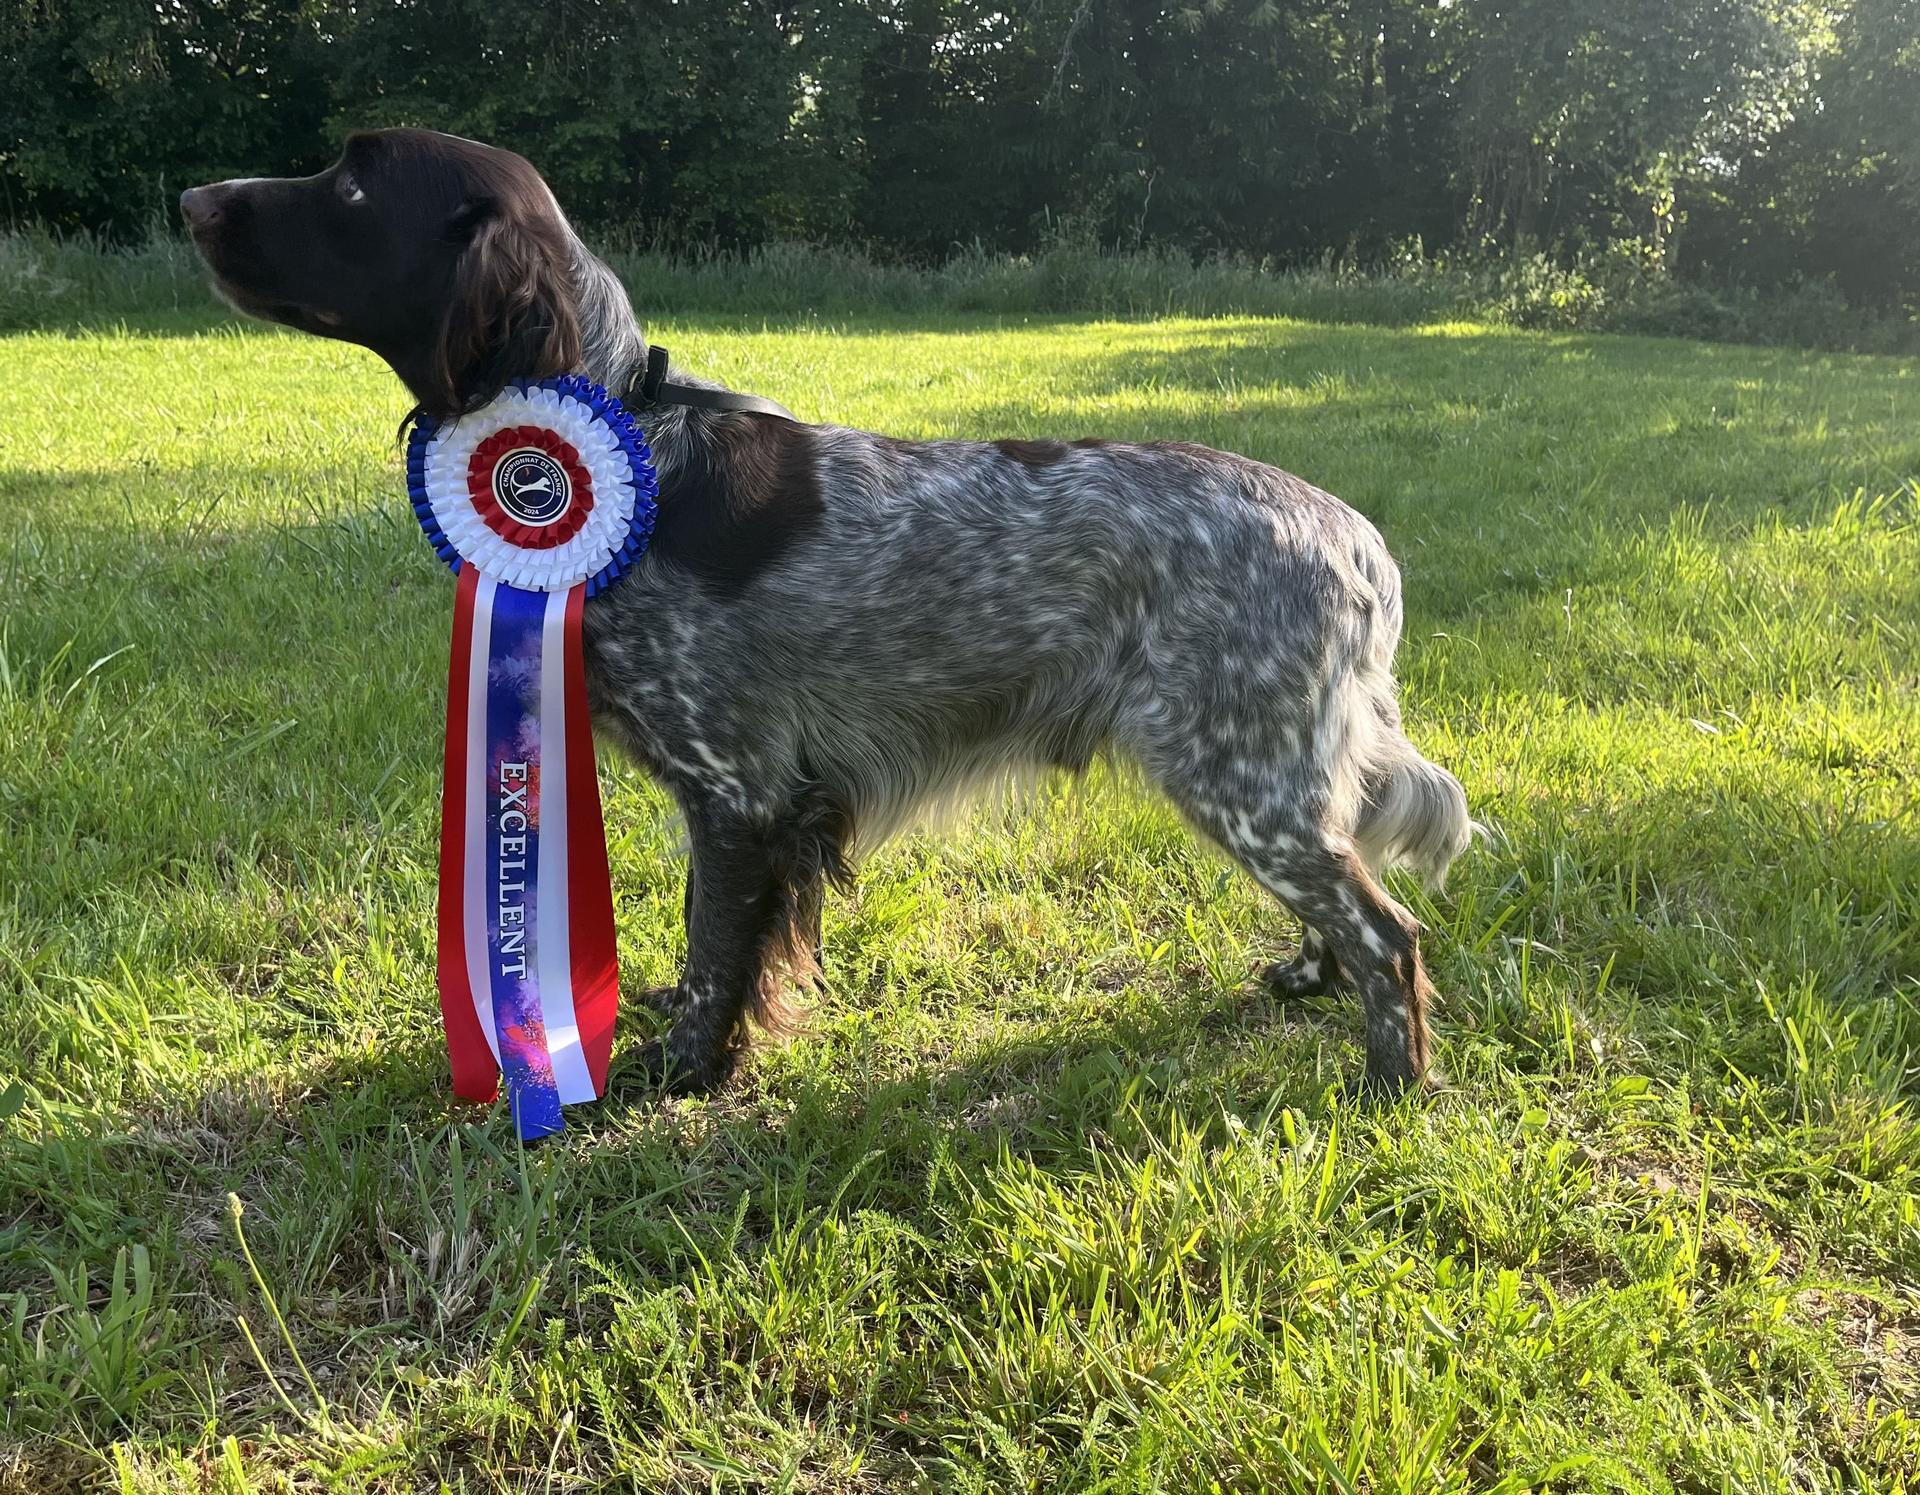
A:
(200, 206)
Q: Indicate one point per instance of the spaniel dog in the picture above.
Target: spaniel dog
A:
(833, 628)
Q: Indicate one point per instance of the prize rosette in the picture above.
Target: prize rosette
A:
(536, 501)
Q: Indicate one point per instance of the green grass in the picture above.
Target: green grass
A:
(1049, 1199)
(47, 282)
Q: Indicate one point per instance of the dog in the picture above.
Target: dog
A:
(833, 628)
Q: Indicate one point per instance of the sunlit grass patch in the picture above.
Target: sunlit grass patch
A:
(1049, 1198)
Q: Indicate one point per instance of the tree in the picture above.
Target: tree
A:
(1762, 139)
(1835, 193)
(1580, 119)
(108, 110)
(641, 113)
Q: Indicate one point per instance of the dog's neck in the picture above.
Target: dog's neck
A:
(613, 353)
(613, 345)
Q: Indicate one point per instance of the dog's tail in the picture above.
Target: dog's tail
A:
(1410, 812)
(1414, 815)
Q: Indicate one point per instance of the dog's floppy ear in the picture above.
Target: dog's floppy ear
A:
(511, 312)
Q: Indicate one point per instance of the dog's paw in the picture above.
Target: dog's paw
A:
(661, 1067)
(1391, 1086)
(662, 999)
(1303, 976)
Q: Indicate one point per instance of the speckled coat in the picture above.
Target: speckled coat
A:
(834, 628)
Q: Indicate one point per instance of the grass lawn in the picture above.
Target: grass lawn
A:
(1050, 1199)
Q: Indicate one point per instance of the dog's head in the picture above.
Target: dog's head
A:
(448, 258)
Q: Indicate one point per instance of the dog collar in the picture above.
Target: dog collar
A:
(651, 387)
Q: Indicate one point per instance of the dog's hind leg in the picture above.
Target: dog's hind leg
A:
(1373, 941)
(1359, 930)
(1313, 972)
(1375, 944)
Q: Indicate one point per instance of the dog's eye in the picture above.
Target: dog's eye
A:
(350, 189)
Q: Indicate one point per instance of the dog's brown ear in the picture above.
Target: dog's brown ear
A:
(511, 314)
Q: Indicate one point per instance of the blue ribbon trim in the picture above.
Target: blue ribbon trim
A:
(513, 727)
(610, 413)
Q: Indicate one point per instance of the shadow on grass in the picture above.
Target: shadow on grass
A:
(162, 784)
(1408, 417)
(340, 607)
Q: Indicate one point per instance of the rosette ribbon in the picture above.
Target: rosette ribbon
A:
(536, 501)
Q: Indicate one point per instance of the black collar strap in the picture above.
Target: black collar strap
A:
(652, 388)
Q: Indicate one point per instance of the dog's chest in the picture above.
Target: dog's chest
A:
(655, 689)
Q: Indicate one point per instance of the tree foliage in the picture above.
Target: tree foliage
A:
(1749, 140)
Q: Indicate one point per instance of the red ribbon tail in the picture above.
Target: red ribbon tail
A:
(476, 1074)
(592, 943)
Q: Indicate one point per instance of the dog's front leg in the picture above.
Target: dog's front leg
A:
(733, 903)
(809, 905)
